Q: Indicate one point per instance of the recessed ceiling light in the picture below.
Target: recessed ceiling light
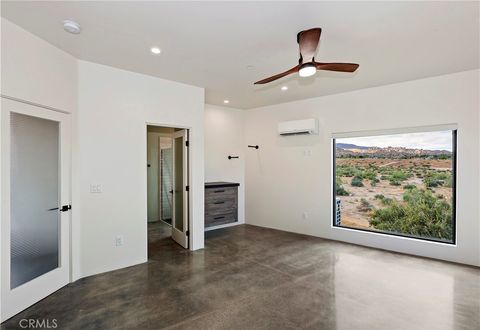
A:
(284, 88)
(155, 50)
(71, 27)
(226, 101)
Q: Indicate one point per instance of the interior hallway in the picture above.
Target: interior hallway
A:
(251, 277)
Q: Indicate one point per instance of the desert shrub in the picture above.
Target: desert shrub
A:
(383, 177)
(387, 201)
(442, 156)
(346, 170)
(399, 175)
(420, 214)
(394, 182)
(379, 196)
(409, 186)
(364, 206)
(438, 178)
(340, 190)
(430, 182)
(357, 181)
(370, 175)
(364, 202)
(374, 182)
(449, 182)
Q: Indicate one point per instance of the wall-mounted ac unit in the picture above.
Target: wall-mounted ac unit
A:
(304, 126)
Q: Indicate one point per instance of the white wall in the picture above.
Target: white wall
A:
(109, 142)
(35, 71)
(224, 136)
(114, 109)
(282, 182)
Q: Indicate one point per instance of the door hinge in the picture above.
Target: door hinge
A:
(187, 233)
(187, 188)
(187, 143)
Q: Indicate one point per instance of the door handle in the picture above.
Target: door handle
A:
(64, 208)
(171, 191)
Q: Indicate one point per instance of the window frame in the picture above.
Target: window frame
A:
(454, 193)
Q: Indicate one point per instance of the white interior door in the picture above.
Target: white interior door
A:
(35, 227)
(180, 188)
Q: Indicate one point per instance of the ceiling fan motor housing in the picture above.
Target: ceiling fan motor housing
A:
(308, 41)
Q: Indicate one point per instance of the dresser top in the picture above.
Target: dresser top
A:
(219, 184)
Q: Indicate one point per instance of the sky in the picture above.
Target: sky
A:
(429, 140)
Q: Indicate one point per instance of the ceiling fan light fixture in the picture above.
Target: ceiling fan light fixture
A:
(307, 70)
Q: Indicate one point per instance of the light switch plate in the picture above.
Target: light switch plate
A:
(95, 188)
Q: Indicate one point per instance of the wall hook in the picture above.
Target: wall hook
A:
(232, 157)
(255, 146)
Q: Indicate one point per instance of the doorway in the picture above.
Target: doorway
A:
(167, 186)
(35, 222)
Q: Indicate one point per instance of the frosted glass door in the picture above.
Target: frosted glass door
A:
(180, 193)
(34, 199)
(178, 182)
(35, 213)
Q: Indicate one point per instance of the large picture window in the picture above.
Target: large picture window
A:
(398, 184)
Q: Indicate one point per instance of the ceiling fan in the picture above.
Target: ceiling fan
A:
(308, 41)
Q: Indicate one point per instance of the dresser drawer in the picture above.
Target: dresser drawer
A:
(220, 219)
(212, 194)
(220, 205)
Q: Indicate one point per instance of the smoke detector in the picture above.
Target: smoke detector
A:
(71, 27)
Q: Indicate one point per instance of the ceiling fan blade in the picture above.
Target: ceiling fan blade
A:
(278, 76)
(308, 41)
(342, 67)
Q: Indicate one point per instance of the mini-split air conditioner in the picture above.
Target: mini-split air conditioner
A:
(295, 127)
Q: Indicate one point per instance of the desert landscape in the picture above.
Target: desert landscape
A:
(399, 190)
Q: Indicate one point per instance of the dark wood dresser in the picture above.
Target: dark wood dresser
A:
(221, 203)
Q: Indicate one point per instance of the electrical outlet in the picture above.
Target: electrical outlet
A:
(119, 240)
(95, 188)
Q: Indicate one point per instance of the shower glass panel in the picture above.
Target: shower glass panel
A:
(167, 183)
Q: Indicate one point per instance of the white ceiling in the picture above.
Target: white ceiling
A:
(211, 44)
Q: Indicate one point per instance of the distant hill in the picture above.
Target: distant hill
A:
(352, 150)
(350, 146)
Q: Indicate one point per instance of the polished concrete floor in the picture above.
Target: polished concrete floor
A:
(249, 277)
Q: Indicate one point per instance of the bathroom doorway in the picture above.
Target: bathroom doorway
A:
(167, 185)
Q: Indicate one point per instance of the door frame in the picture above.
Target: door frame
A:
(189, 171)
(35, 290)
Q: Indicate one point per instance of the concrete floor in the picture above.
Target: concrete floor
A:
(249, 277)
